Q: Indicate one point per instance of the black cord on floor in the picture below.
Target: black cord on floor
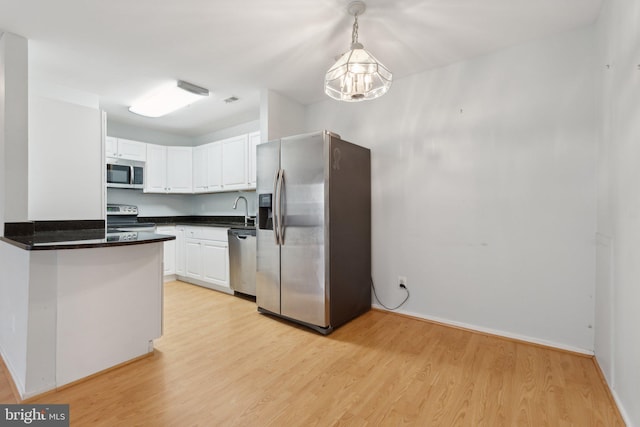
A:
(389, 308)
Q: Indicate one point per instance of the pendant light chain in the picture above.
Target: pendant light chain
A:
(354, 34)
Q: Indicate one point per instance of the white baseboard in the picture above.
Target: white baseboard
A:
(219, 288)
(491, 331)
(12, 373)
(614, 394)
(623, 413)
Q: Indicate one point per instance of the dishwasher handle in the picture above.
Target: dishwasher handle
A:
(241, 234)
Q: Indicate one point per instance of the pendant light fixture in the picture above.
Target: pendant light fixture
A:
(357, 75)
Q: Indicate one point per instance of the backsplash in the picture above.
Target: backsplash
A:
(183, 204)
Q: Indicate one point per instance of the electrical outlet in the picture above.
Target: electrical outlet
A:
(402, 281)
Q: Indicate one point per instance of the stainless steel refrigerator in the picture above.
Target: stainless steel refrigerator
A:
(313, 230)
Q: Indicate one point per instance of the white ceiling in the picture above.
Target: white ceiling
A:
(122, 49)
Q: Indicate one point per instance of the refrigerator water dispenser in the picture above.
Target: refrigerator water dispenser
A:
(265, 215)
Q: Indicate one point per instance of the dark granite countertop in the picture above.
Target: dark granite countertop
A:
(82, 239)
(207, 221)
(55, 235)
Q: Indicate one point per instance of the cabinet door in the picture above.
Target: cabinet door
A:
(169, 259)
(254, 141)
(180, 251)
(214, 166)
(200, 169)
(193, 258)
(179, 174)
(215, 262)
(111, 146)
(132, 150)
(234, 163)
(155, 179)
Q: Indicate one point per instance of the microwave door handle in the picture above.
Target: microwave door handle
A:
(132, 175)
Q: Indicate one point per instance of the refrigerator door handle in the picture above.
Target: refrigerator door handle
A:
(276, 180)
(280, 208)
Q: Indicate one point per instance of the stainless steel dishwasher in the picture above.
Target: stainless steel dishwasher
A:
(242, 260)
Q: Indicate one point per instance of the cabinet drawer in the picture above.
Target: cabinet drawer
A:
(207, 233)
(166, 229)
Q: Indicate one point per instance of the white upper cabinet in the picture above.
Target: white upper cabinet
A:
(125, 149)
(254, 141)
(207, 168)
(111, 146)
(226, 165)
(179, 167)
(155, 179)
(200, 169)
(168, 169)
(234, 163)
(214, 166)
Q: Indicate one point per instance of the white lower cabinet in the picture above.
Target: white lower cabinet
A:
(202, 256)
(180, 249)
(216, 268)
(169, 260)
(193, 258)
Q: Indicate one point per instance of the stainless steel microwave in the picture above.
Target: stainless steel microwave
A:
(125, 173)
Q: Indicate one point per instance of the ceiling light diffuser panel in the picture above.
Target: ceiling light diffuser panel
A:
(168, 98)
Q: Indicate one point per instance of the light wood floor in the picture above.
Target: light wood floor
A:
(220, 363)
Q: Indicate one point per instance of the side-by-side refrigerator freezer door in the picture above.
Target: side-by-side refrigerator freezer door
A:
(267, 245)
(302, 192)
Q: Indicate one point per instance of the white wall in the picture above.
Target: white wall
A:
(230, 132)
(152, 204)
(483, 189)
(183, 204)
(618, 294)
(111, 319)
(280, 116)
(28, 317)
(43, 286)
(2, 130)
(13, 128)
(52, 162)
(14, 311)
(66, 161)
(222, 203)
(126, 131)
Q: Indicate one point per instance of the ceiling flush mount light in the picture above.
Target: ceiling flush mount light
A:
(357, 75)
(168, 99)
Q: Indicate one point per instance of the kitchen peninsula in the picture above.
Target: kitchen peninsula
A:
(82, 300)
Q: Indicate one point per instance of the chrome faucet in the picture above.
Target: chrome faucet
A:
(246, 208)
